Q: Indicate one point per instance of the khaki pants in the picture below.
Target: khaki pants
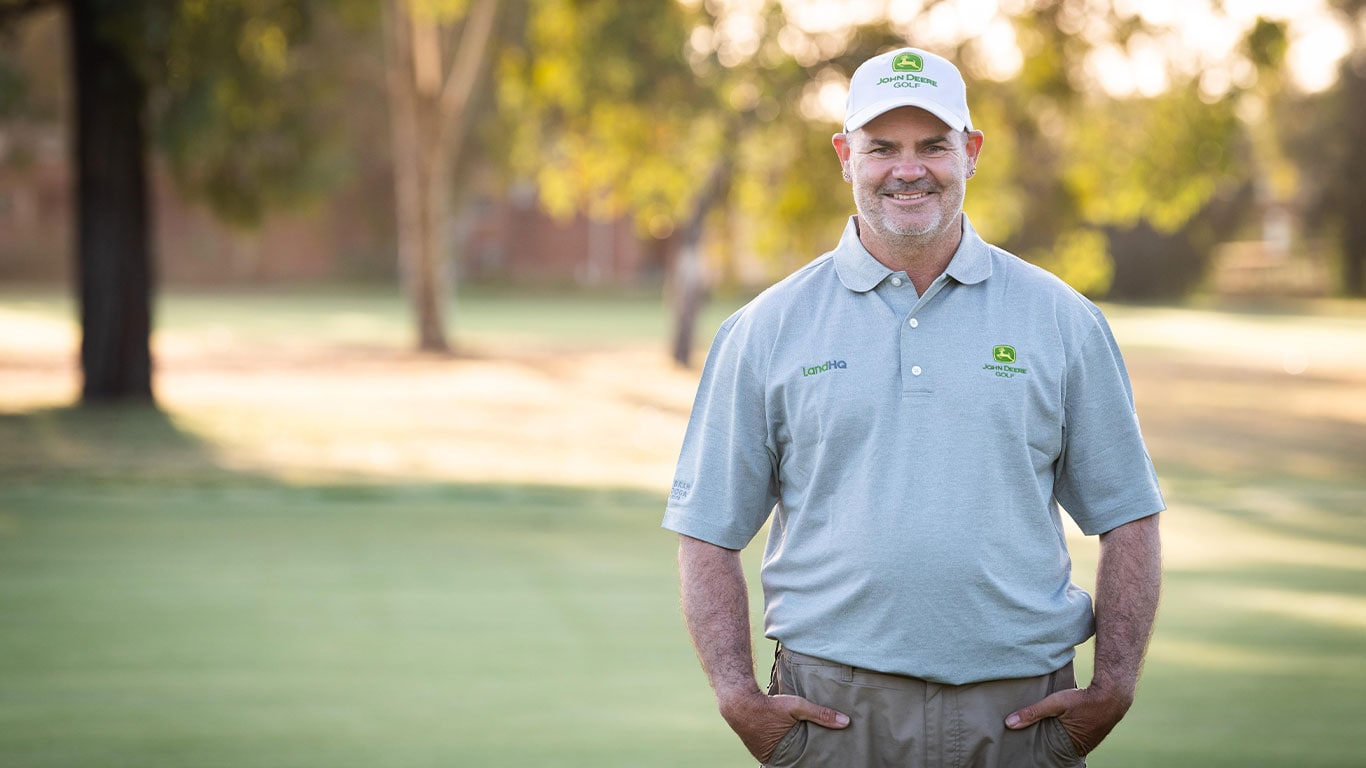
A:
(900, 722)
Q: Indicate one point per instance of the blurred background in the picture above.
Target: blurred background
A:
(346, 347)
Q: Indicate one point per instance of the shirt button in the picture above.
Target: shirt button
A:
(914, 323)
(896, 282)
(915, 370)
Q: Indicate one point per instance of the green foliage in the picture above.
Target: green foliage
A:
(1266, 44)
(631, 109)
(1158, 160)
(1064, 161)
(13, 88)
(996, 202)
(1081, 258)
(242, 110)
(621, 109)
(242, 101)
(790, 194)
(604, 115)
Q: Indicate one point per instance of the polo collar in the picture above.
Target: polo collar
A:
(971, 264)
(860, 272)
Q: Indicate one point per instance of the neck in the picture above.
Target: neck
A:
(922, 257)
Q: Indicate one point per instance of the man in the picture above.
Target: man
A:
(915, 408)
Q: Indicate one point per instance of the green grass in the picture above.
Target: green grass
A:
(374, 316)
(159, 608)
(252, 624)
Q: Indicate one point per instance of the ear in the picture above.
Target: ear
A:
(841, 142)
(973, 145)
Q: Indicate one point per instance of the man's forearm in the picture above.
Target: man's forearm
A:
(716, 609)
(1128, 582)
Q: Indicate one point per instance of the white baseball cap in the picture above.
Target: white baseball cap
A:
(907, 77)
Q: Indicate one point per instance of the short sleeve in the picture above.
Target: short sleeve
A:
(725, 485)
(1105, 477)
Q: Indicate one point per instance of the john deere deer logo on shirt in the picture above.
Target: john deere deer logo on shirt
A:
(1003, 355)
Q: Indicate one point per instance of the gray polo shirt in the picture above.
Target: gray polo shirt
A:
(918, 450)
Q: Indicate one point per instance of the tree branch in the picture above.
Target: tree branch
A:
(464, 72)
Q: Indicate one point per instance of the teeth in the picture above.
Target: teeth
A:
(916, 196)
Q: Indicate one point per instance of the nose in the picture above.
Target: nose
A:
(909, 169)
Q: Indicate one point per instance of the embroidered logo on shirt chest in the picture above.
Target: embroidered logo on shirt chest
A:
(1003, 357)
(829, 365)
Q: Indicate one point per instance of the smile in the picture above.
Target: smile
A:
(916, 196)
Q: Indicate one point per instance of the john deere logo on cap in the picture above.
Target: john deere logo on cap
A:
(1003, 354)
(908, 62)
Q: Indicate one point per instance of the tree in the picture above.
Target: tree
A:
(203, 80)
(431, 83)
(1331, 151)
(1098, 188)
(596, 97)
(661, 113)
(113, 261)
(113, 255)
(1351, 200)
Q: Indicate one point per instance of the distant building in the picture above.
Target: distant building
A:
(348, 237)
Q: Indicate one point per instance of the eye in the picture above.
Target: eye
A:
(934, 150)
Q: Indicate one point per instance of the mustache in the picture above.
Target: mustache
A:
(909, 188)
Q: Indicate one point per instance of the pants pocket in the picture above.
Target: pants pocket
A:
(1060, 744)
(790, 749)
(793, 746)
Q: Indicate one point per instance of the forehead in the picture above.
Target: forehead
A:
(905, 124)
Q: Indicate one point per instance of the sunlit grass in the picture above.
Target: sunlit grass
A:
(260, 624)
(328, 550)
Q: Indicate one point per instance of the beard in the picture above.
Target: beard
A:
(876, 210)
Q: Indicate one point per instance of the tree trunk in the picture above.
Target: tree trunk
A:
(420, 160)
(113, 259)
(428, 114)
(1353, 191)
(687, 284)
(689, 291)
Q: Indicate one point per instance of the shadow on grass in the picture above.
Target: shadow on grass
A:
(161, 610)
(1279, 452)
(101, 442)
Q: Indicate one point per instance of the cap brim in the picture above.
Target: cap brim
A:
(866, 115)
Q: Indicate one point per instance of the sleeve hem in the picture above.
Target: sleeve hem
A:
(722, 537)
(1094, 526)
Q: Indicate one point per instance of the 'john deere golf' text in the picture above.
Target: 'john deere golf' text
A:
(907, 81)
(1004, 371)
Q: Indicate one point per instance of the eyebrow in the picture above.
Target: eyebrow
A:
(944, 139)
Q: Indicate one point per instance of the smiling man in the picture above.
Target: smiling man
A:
(912, 413)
